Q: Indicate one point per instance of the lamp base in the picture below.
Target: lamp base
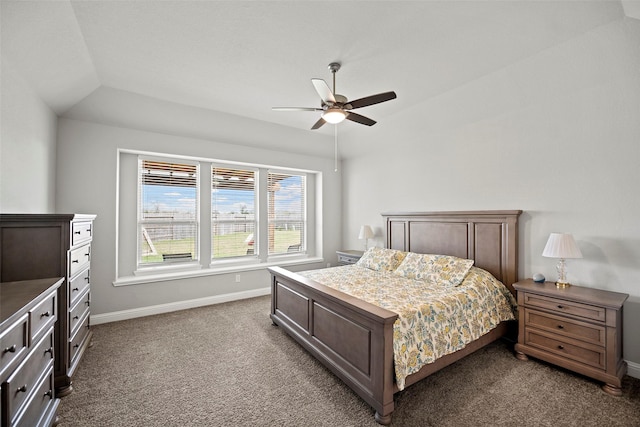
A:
(562, 285)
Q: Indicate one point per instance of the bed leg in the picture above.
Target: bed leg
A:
(385, 420)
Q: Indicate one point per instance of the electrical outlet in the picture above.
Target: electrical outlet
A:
(237, 278)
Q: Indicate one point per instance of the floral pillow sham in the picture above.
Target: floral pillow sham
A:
(446, 270)
(381, 259)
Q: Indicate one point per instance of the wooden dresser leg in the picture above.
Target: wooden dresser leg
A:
(521, 356)
(612, 390)
(384, 420)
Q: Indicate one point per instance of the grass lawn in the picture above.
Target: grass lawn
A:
(229, 245)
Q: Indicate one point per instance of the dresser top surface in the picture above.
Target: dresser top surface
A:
(14, 296)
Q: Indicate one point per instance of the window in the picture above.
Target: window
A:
(233, 213)
(286, 213)
(190, 216)
(167, 212)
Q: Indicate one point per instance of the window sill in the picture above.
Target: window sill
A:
(184, 272)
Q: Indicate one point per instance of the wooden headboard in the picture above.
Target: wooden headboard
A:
(490, 238)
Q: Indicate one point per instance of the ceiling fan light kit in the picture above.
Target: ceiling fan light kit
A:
(334, 115)
(336, 108)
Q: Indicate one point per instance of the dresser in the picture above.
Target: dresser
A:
(575, 327)
(348, 257)
(28, 313)
(35, 246)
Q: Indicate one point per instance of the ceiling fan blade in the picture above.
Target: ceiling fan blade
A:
(295, 109)
(354, 117)
(319, 123)
(323, 90)
(373, 99)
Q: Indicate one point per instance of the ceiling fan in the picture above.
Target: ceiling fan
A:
(335, 108)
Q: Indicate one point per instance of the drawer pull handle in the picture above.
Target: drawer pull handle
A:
(561, 347)
(49, 394)
(75, 290)
(45, 314)
(11, 349)
(76, 232)
(86, 279)
(75, 317)
(22, 389)
(75, 261)
(88, 302)
(87, 255)
(560, 326)
(76, 346)
(49, 350)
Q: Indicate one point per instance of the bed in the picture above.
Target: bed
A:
(354, 338)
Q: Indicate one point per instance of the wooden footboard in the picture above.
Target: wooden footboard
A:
(349, 336)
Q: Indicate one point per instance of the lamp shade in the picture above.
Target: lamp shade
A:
(561, 245)
(365, 232)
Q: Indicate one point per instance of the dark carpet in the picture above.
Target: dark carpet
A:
(227, 365)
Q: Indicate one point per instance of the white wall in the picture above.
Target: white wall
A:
(86, 183)
(556, 135)
(27, 148)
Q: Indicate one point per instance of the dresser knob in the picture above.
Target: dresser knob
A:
(11, 349)
(560, 327)
(22, 389)
(45, 314)
(75, 290)
(49, 350)
(49, 394)
(560, 306)
(86, 279)
(75, 317)
(76, 346)
(561, 347)
(87, 255)
(75, 261)
(76, 232)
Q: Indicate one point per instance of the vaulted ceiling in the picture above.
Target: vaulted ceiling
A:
(243, 57)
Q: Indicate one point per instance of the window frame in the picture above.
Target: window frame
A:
(126, 269)
(195, 260)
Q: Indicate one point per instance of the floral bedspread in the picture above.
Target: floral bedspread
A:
(433, 320)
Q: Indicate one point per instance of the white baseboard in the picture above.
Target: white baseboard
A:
(633, 369)
(115, 316)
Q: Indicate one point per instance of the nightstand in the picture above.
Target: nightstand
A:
(577, 328)
(348, 257)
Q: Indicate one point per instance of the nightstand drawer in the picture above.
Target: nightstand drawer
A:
(570, 349)
(348, 257)
(567, 327)
(565, 307)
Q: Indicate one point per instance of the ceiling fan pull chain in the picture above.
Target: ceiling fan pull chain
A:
(335, 167)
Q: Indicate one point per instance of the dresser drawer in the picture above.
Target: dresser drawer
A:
(81, 232)
(42, 316)
(78, 313)
(565, 307)
(567, 327)
(13, 343)
(21, 384)
(78, 286)
(571, 349)
(79, 259)
(77, 341)
(39, 407)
